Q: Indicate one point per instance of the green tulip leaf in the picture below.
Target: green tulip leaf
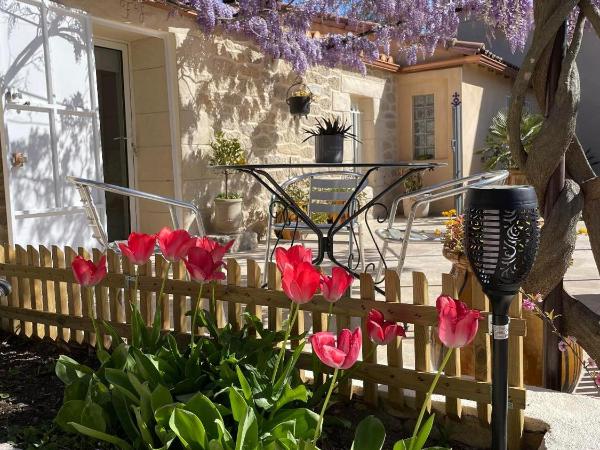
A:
(238, 404)
(423, 433)
(370, 434)
(304, 419)
(247, 438)
(123, 413)
(161, 396)
(207, 412)
(189, 429)
(120, 381)
(69, 412)
(299, 393)
(120, 443)
(92, 417)
(246, 389)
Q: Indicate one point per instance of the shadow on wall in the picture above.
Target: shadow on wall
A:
(226, 85)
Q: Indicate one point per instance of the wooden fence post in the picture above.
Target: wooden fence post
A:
(422, 333)
(516, 416)
(129, 292)
(102, 312)
(48, 298)
(35, 288)
(453, 405)
(180, 323)
(24, 291)
(146, 309)
(13, 300)
(482, 352)
(60, 292)
(253, 280)
(394, 349)
(234, 278)
(275, 316)
(369, 350)
(85, 300)
(116, 297)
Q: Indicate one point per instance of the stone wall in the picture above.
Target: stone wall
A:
(227, 85)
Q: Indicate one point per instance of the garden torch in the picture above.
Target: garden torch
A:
(501, 241)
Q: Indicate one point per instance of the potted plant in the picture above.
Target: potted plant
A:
(414, 183)
(299, 99)
(228, 205)
(496, 153)
(329, 137)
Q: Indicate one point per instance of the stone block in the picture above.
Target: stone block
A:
(340, 101)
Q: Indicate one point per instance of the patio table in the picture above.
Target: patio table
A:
(325, 238)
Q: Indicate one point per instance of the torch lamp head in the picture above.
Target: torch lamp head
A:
(501, 239)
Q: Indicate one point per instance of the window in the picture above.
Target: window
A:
(423, 127)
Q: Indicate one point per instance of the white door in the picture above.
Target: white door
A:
(49, 118)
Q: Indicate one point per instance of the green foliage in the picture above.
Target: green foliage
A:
(216, 395)
(413, 182)
(330, 127)
(227, 152)
(370, 434)
(496, 152)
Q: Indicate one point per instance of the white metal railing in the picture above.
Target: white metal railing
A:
(84, 187)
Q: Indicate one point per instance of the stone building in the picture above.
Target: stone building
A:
(132, 93)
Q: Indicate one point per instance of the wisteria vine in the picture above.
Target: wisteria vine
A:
(403, 28)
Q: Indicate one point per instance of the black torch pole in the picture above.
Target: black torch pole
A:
(499, 331)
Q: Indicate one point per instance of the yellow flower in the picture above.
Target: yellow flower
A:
(437, 232)
(582, 230)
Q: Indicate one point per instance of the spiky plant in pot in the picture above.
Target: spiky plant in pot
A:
(329, 135)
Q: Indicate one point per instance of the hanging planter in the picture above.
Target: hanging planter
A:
(299, 97)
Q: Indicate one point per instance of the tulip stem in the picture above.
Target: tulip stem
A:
(90, 293)
(288, 330)
(158, 312)
(429, 394)
(324, 407)
(213, 303)
(330, 317)
(195, 314)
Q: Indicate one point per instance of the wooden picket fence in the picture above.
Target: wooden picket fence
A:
(46, 303)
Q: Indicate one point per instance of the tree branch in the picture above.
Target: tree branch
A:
(542, 39)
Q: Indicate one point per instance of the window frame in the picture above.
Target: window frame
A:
(426, 151)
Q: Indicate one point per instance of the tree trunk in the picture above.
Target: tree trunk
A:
(557, 139)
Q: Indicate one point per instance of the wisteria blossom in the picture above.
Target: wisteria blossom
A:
(406, 29)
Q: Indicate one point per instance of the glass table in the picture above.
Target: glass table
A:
(325, 237)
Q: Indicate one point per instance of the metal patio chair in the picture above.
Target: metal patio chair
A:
(430, 194)
(327, 194)
(85, 186)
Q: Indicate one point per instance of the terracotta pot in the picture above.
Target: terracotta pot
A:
(532, 343)
(288, 234)
(228, 215)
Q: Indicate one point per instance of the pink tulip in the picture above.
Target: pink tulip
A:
(334, 286)
(139, 248)
(87, 273)
(382, 332)
(174, 244)
(217, 250)
(292, 256)
(300, 282)
(201, 267)
(456, 322)
(340, 356)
